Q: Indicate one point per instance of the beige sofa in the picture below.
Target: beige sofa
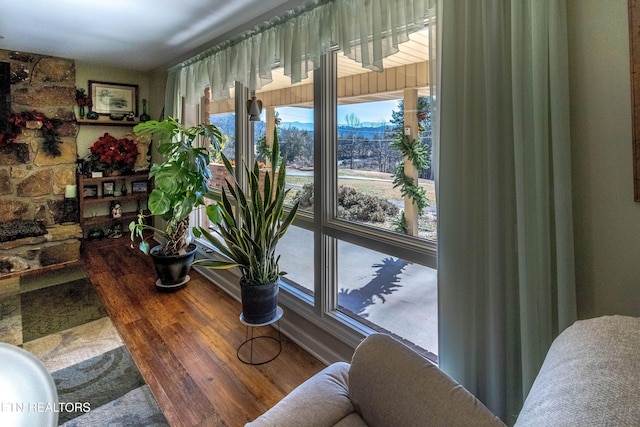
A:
(590, 377)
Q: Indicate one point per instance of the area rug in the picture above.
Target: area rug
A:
(59, 318)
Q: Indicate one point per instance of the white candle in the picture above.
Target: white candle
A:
(70, 191)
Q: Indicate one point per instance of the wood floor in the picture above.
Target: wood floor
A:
(185, 342)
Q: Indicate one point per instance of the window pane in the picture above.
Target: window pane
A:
(378, 115)
(296, 258)
(389, 294)
(222, 114)
(289, 111)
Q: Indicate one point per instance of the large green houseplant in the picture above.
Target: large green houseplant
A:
(250, 223)
(180, 184)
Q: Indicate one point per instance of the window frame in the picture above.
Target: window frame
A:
(322, 307)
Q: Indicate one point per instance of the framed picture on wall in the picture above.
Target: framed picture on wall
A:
(113, 98)
(139, 187)
(90, 191)
(108, 188)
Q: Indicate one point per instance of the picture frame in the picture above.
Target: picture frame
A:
(90, 191)
(108, 188)
(139, 187)
(113, 98)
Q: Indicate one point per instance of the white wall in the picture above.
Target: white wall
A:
(607, 220)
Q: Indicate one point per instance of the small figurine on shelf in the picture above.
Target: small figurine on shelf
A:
(131, 117)
(116, 210)
(115, 232)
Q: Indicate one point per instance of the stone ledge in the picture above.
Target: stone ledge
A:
(55, 233)
(61, 245)
(63, 232)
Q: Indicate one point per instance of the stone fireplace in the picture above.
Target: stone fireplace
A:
(33, 182)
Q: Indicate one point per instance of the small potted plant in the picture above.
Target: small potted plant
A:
(180, 186)
(251, 236)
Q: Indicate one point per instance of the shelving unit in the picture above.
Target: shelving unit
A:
(103, 203)
(95, 211)
(106, 121)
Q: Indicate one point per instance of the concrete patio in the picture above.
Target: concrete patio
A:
(391, 293)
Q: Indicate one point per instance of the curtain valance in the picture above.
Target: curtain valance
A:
(365, 30)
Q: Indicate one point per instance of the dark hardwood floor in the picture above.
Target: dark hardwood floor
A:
(185, 342)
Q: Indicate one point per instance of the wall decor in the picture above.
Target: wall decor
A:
(90, 191)
(108, 188)
(113, 98)
(139, 187)
(634, 46)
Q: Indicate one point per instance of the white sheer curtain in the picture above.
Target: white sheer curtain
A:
(365, 30)
(506, 283)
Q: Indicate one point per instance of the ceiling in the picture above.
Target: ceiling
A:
(134, 34)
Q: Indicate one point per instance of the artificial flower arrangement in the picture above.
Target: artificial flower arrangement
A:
(82, 99)
(110, 154)
(17, 122)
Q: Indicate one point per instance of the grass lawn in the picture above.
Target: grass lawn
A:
(377, 184)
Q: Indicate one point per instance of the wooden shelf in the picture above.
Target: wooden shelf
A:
(104, 219)
(104, 202)
(106, 121)
(142, 176)
(104, 199)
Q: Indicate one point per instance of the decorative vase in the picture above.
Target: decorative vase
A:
(144, 117)
(259, 303)
(92, 115)
(82, 111)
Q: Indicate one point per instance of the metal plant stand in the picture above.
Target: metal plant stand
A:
(250, 340)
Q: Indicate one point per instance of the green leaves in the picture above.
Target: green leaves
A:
(412, 150)
(181, 177)
(417, 154)
(251, 222)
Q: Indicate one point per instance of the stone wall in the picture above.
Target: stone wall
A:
(32, 182)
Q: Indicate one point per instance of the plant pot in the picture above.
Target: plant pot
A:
(259, 303)
(172, 270)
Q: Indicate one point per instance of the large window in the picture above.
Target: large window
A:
(361, 254)
(383, 196)
(381, 115)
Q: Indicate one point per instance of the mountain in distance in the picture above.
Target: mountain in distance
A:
(367, 130)
(363, 125)
(298, 125)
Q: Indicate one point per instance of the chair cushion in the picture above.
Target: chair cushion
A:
(391, 385)
(590, 377)
(322, 400)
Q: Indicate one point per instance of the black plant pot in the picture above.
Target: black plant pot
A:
(259, 303)
(172, 270)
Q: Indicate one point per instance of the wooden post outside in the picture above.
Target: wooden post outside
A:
(411, 131)
(270, 113)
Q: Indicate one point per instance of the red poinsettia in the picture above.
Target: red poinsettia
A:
(114, 153)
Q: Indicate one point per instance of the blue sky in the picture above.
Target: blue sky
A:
(375, 112)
